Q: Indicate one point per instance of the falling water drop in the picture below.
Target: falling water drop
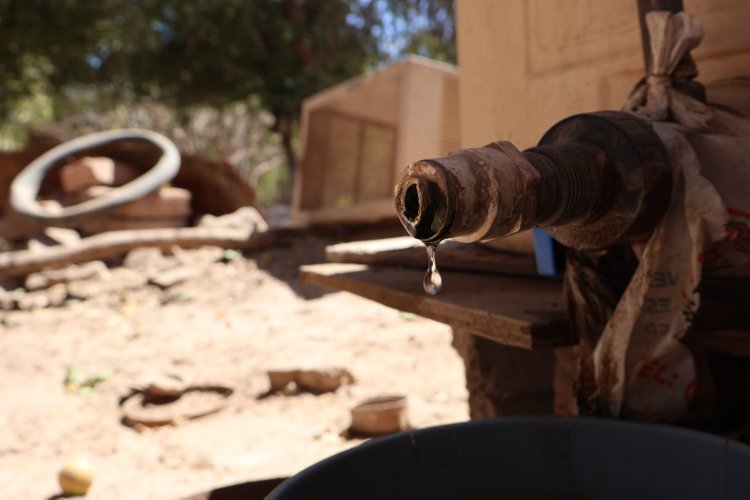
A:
(432, 282)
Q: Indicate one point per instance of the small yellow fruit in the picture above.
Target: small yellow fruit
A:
(76, 477)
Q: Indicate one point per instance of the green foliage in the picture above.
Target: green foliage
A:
(191, 51)
(24, 112)
(175, 65)
(274, 186)
(237, 132)
(423, 27)
(80, 382)
(197, 52)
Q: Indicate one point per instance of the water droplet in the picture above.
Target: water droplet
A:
(432, 282)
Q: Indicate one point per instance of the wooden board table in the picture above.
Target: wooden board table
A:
(525, 312)
(509, 325)
(406, 251)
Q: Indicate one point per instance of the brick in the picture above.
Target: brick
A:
(95, 171)
(167, 202)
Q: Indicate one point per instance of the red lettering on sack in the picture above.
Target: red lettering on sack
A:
(738, 235)
(710, 258)
(657, 372)
(689, 391)
(738, 231)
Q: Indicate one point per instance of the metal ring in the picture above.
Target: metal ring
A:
(25, 187)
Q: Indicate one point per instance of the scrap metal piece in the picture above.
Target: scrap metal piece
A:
(595, 179)
(25, 186)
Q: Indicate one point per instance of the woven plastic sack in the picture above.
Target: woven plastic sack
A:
(641, 367)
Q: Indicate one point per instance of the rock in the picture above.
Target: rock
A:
(95, 171)
(171, 277)
(9, 284)
(322, 381)
(52, 207)
(119, 279)
(49, 277)
(63, 236)
(147, 260)
(7, 300)
(36, 244)
(37, 281)
(243, 218)
(165, 385)
(199, 257)
(54, 236)
(166, 203)
(32, 300)
(313, 381)
(280, 379)
(41, 299)
(166, 207)
(10, 321)
(57, 294)
(113, 223)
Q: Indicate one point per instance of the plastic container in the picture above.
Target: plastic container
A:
(538, 458)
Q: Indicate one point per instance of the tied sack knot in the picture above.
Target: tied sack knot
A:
(659, 81)
(672, 36)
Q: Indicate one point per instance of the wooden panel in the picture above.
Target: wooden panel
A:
(356, 136)
(407, 251)
(450, 128)
(314, 157)
(525, 64)
(731, 342)
(340, 168)
(348, 160)
(363, 213)
(592, 31)
(376, 163)
(521, 312)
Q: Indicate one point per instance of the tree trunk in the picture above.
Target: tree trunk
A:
(284, 126)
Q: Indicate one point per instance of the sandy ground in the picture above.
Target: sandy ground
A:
(228, 326)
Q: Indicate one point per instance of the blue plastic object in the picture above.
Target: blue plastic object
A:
(550, 255)
(538, 457)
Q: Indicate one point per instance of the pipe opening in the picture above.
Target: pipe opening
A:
(422, 207)
(439, 207)
(411, 203)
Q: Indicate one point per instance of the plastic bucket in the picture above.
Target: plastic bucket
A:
(540, 458)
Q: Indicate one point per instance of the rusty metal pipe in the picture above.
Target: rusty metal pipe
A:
(594, 180)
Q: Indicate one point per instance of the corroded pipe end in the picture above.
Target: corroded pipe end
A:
(595, 180)
(422, 201)
(470, 195)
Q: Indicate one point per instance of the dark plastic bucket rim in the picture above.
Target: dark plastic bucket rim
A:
(568, 425)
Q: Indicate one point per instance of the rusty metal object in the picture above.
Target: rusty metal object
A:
(595, 179)
(25, 186)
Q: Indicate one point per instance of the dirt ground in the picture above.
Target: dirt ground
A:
(228, 325)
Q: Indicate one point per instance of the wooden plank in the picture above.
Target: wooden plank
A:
(731, 342)
(113, 243)
(407, 251)
(363, 212)
(515, 311)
